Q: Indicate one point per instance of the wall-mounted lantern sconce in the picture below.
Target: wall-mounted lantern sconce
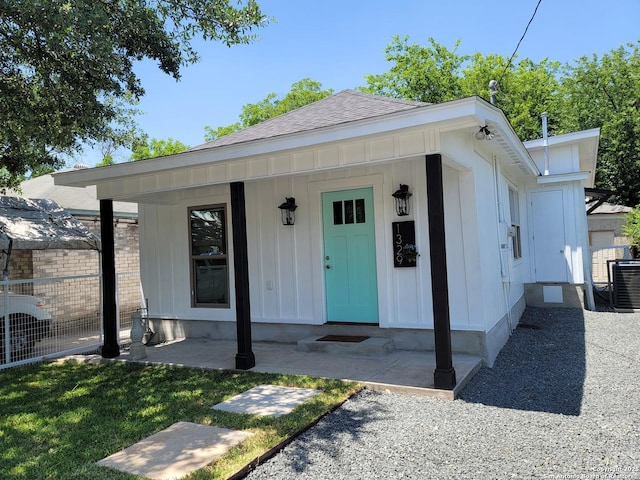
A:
(287, 209)
(401, 197)
(483, 134)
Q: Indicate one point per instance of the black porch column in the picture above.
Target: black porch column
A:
(244, 358)
(444, 376)
(110, 349)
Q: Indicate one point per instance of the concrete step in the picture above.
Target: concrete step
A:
(347, 345)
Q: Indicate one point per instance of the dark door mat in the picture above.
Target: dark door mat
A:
(342, 338)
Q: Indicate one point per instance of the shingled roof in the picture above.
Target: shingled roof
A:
(343, 107)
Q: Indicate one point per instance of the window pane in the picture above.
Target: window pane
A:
(337, 213)
(360, 216)
(517, 249)
(207, 232)
(348, 211)
(211, 281)
(514, 206)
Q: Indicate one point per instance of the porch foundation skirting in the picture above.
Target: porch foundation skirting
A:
(485, 346)
(497, 337)
(555, 294)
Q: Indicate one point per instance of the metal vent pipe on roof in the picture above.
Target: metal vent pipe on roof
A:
(493, 88)
(545, 143)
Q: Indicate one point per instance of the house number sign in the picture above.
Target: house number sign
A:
(404, 238)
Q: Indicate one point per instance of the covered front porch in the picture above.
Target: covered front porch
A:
(405, 371)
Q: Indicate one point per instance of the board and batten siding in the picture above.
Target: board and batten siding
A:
(286, 263)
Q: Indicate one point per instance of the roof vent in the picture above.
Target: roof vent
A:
(80, 166)
(493, 88)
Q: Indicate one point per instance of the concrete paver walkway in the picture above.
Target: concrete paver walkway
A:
(175, 451)
(267, 400)
(185, 447)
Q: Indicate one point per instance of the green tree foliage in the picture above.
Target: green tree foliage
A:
(145, 148)
(592, 92)
(605, 92)
(302, 93)
(631, 227)
(423, 74)
(61, 60)
(526, 90)
(435, 74)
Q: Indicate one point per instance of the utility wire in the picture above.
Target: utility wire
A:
(519, 42)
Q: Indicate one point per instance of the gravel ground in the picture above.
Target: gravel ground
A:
(561, 402)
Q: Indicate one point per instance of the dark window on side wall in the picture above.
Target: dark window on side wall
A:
(209, 256)
(514, 207)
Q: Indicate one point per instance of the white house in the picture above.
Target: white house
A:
(491, 231)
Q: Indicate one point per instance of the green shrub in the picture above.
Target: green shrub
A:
(631, 229)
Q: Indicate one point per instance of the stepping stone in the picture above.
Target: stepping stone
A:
(172, 453)
(267, 400)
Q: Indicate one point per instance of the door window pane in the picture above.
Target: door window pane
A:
(348, 211)
(337, 213)
(360, 215)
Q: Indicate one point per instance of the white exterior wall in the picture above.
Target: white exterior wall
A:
(562, 159)
(285, 263)
(501, 275)
(575, 234)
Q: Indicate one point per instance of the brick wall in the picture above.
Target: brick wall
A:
(611, 223)
(20, 265)
(82, 297)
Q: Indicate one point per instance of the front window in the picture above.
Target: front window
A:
(514, 207)
(209, 256)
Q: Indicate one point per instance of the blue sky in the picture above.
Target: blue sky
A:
(339, 42)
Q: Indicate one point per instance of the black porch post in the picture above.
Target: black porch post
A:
(110, 349)
(444, 376)
(244, 358)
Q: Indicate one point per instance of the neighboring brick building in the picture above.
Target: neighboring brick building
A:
(46, 264)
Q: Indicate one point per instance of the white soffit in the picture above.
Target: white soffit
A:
(399, 135)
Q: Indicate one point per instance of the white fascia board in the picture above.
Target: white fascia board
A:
(585, 140)
(564, 139)
(466, 108)
(563, 177)
(494, 115)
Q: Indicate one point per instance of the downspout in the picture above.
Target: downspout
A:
(586, 260)
(545, 143)
(504, 264)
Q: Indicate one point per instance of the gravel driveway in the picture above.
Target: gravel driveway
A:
(561, 402)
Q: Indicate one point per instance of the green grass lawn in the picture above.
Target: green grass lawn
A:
(58, 419)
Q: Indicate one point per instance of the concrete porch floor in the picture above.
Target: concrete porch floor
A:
(400, 370)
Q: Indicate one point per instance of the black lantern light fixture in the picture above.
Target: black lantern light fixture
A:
(402, 196)
(287, 209)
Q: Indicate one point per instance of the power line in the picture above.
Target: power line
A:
(519, 42)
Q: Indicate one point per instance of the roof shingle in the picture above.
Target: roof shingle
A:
(343, 107)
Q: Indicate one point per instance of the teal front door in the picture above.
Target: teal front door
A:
(350, 256)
